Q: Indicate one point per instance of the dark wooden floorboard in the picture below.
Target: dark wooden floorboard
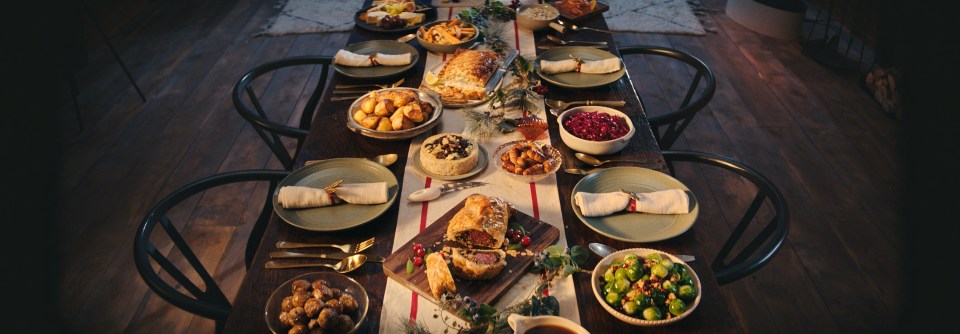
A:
(814, 132)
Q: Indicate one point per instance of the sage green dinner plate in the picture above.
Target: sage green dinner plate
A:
(577, 79)
(378, 72)
(632, 226)
(339, 216)
(481, 164)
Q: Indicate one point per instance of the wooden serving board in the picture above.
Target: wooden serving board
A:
(483, 291)
(601, 7)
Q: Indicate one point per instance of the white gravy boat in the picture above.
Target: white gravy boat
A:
(521, 324)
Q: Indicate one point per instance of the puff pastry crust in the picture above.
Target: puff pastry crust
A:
(465, 76)
(438, 276)
(482, 222)
(477, 264)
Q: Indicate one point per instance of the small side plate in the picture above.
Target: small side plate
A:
(481, 164)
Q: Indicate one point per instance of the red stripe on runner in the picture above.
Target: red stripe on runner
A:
(533, 199)
(424, 209)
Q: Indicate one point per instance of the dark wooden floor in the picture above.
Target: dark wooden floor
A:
(814, 132)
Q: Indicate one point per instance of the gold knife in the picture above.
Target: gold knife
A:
(333, 256)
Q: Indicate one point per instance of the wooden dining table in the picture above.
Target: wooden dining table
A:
(330, 138)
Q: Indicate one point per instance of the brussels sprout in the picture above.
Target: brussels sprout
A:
(631, 307)
(667, 263)
(644, 301)
(659, 297)
(670, 287)
(679, 270)
(686, 292)
(610, 286)
(685, 279)
(655, 257)
(630, 258)
(634, 272)
(659, 270)
(652, 313)
(622, 285)
(645, 277)
(620, 273)
(608, 276)
(613, 298)
(677, 306)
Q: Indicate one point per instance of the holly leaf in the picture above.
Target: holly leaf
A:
(578, 254)
(551, 303)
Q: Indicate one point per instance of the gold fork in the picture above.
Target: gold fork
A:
(346, 248)
(395, 84)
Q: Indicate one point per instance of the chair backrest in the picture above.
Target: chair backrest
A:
(155, 248)
(270, 85)
(668, 126)
(756, 237)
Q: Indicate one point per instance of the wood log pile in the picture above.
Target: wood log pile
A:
(882, 85)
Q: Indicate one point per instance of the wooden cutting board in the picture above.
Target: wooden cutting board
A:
(483, 291)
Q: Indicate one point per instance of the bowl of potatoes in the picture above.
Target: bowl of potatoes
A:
(394, 113)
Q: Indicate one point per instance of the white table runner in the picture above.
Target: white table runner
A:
(539, 200)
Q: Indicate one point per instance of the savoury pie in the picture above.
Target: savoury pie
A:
(465, 75)
(438, 276)
(481, 223)
(477, 264)
(448, 154)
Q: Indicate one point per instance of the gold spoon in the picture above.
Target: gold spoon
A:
(591, 160)
(557, 40)
(346, 265)
(406, 38)
(384, 159)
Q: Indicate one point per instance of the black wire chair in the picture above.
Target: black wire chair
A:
(148, 248)
(668, 126)
(741, 255)
(248, 103)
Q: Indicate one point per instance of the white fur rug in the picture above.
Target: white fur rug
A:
(311, 16)
(653, 16)
(649, 16)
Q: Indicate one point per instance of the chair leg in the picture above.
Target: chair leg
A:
(116, 55)
(74, 91)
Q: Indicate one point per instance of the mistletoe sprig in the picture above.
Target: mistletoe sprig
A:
(552, 263)
(524, 92)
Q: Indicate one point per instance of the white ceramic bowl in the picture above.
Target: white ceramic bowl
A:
(604, 264)
(428, 124)
(590, 146)
(552, 154)
(536, 24)
(447, 48)
(522, 324)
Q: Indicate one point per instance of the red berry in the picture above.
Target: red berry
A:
(525, 241)
(417, 246)
(418, 261)
(420, 252)
(514, 238)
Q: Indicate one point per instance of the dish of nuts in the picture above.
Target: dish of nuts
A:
(318, 307)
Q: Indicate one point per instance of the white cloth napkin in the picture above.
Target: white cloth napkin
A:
(672, 201)
(590, 66)
(392, 60)
(298, 197)
(347, 58)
